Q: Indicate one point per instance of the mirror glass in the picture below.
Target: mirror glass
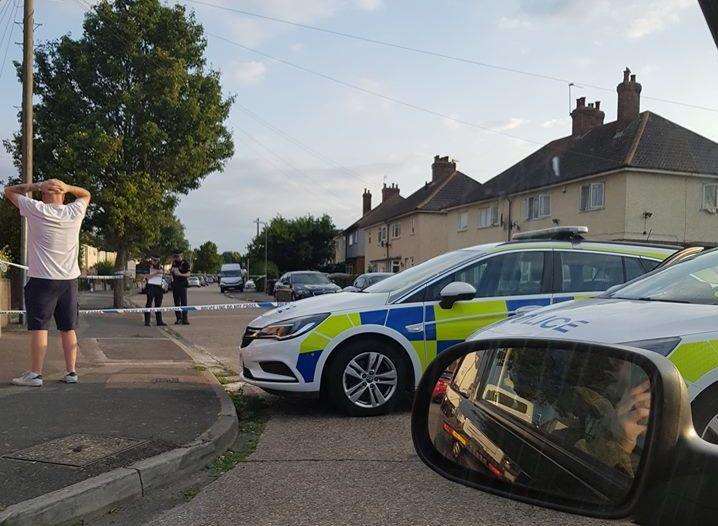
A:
(569, 423)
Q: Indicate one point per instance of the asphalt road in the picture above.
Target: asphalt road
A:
(316, 467)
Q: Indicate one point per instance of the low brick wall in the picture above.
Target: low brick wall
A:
(4, 300)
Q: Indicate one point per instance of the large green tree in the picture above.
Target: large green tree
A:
(303, 243)
(171, 239)
(206, 258)
(130, 111)
(231, 257)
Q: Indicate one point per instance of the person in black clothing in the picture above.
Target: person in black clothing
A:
(180, 273)
(154, 291)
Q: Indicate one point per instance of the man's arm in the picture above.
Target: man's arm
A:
(80, 193)
(12, 192)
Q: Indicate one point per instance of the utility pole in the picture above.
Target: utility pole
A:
(266, 251)
(28, 55)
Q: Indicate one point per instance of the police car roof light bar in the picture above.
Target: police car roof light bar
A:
(558, 233)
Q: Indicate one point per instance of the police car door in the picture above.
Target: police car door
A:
(504, 283)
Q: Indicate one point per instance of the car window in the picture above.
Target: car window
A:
(514, 274)
(588, 272)
(634, 268)
(360, 283)
(310, 279)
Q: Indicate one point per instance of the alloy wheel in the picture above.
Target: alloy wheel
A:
(710, 433)
(370, 379)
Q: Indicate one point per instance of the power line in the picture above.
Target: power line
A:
(297, 142)
(438, 54)
(9, 40)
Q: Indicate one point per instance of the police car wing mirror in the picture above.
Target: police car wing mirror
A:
(597, 430)
(456, 291)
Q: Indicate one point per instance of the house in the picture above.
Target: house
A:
(638, 178)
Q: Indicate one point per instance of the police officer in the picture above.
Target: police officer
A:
(180, 273)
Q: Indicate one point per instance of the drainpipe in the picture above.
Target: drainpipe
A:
(510, 220)
(388, 263)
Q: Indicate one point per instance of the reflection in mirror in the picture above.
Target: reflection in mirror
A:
(571, 424)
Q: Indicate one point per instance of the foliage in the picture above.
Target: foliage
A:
(206, 258)
(104, 268)
(303, 243)
(10, 230)
(231, 257)
(131, 112)
(5, 256)
(171, 238)
(256, 268)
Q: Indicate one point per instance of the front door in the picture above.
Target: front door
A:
(504, 284)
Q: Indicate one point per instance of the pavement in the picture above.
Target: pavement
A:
(140, 395)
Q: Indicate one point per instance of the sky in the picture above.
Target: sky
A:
(308, 144)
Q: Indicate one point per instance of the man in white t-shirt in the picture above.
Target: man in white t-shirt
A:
(53, 244)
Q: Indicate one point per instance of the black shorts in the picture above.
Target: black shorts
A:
(48, 298)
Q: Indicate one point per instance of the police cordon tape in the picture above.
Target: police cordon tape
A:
(188, 308)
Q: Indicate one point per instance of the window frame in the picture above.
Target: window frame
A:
(493, 216)
(705, 186)
(383, 234)
(590, 207)
(536, 198)
(465, 226)
(557, 282)
(413, 226)
(395, 230)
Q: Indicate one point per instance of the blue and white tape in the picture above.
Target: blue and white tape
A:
(188, 308)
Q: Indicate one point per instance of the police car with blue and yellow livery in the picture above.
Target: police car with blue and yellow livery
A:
(363, 350)
(673, 311)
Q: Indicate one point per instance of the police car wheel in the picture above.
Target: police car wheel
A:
(705, 415)
(367, 378)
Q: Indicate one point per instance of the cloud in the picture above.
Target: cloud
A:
(251, 72)
(506, 22)
(369, 5)
(451, 124)
(511, 124)
(657, 16)
(555, 123)
(297, 47)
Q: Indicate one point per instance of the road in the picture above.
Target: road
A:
(316, 467)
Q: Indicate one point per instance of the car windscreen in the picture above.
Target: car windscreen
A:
(230, 273)
(408, 278)
(691, 281)
(310, 279)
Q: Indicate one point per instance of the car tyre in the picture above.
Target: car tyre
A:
(343, 382)
(705, 414)
(222, 289)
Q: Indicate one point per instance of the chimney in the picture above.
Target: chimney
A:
(629, 98)
(366, 202)
(389, 191)
(442, 168)
(586, 117)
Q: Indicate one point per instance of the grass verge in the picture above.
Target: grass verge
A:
(252, 412)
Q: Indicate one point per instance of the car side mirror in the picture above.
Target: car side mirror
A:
(456, 291)
(597, 430)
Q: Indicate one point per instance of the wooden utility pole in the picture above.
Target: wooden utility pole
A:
(28, 55)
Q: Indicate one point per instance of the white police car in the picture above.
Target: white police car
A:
(364, 349)
(673, 311)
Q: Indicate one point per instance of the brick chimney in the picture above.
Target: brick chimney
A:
(365, 202)
(389, 191)
(586, 117)
(629, 98)
(442, 168)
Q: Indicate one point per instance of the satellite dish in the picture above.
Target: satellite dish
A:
(556, 165)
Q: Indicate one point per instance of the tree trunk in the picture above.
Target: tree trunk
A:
(119, 284)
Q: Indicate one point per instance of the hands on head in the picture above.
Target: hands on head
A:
(53, 186)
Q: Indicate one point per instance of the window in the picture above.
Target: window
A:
(413, 226)
(395, 230)
(489, 216)
(369, 237)
(710, 197)
(587, 272)
(592, 197)
(462, 221)
(381, 237)
(352, 238)
(538, 206)
(633, 268)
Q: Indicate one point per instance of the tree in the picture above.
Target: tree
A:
(171, 239)
(231, 257)
(295, 244)
(206, 258)
(131, 112)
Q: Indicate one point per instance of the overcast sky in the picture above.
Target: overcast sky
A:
(325, 142)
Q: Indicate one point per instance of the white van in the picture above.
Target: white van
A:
(231, 277)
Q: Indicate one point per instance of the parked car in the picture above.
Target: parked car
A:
(672, 312)
(366, 280)
(231, 277)
(299, 285)
(395, 328)
(194, 281)
(341, 278)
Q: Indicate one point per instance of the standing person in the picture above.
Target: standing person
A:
(180, 273)
(53, 244)
(155, 291)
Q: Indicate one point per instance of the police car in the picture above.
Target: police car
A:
(673, 311)
(362, 350)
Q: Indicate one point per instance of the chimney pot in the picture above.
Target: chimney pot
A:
(629, 98)
(598, 104)
(366, 202)
(443, 167)
(387, 192)
(586, 117)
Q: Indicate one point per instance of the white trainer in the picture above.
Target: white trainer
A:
(29, 379)
(71, 378)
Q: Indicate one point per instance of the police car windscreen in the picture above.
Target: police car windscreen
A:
(691, 281)
(422, 272)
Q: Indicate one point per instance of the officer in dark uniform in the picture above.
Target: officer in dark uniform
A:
(180, 273)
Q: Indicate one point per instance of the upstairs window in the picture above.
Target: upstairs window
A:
(462, 222)
(592, 197)
(352, 238)
(413, 226)
(396, 230)
(489, 216)
(381, 238)
(710, 197)
(537, 206)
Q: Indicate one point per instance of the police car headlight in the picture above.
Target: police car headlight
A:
(662, 346)
(291, 328)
